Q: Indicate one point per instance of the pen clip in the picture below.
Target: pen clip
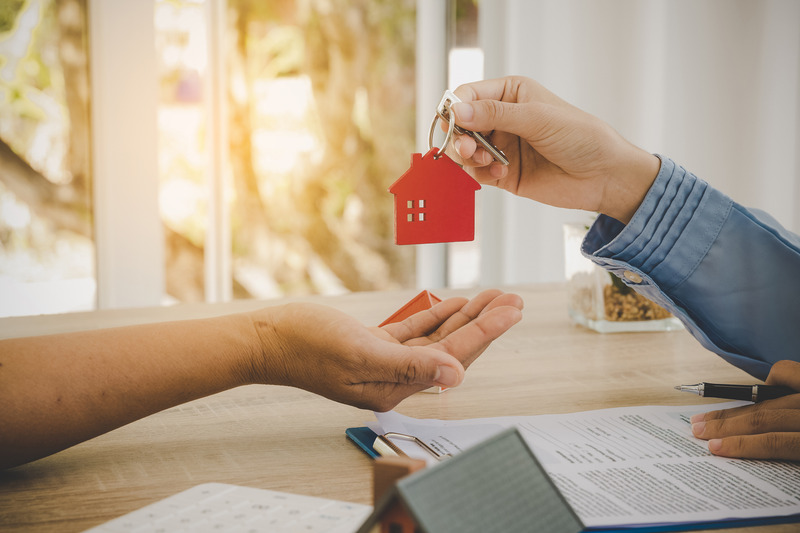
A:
(402, 436)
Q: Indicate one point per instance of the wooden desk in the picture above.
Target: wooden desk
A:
(290, 440)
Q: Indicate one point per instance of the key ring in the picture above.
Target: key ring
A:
(443, 112)
(451, 127)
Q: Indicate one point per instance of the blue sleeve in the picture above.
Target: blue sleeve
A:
(730, 274)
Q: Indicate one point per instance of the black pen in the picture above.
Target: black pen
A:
(750, 393)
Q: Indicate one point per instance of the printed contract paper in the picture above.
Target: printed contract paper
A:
(629, 466)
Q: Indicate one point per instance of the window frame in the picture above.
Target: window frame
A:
(127, 223)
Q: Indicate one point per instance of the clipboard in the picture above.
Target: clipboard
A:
(376, 445)
(364, 438)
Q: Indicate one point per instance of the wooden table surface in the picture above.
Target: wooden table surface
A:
(290, 440)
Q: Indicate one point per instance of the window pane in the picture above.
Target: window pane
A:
(47, 253)
(320, 104)
(321, 101)
(181, 46)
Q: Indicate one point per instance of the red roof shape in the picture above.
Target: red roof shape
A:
(446, 173)
(420, 302)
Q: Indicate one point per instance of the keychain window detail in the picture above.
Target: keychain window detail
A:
(418, 216)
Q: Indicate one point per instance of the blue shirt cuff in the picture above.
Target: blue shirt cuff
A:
(670, 233)
(669, 236)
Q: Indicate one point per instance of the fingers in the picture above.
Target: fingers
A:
(438, 344)
(467, 149)
(785, 373)
(482, 303)
(480, 163)
(468, 312)
(469, 341)
(447, 316)
(784, 446)
(490, 115)
(423, 323)
(463, 330)
(496, 89)
(423, 366)
(378, 374)
(769, 429)
(513, 104)
(761, 421)
(419, 368)
(786, 402)
(508, 89)
(503, 299)
(409, 370)
(404, 373)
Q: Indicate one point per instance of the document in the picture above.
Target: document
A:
(628, 466)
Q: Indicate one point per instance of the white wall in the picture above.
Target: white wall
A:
(713, 84)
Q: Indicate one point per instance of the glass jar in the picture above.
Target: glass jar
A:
(600, 301)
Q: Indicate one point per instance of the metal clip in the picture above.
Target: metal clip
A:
(443, 112)
(393, 435)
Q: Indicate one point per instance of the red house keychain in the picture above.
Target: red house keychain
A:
(434, 200)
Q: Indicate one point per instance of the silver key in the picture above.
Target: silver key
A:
(443, 110)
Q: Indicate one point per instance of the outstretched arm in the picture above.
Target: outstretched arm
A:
(59, 390)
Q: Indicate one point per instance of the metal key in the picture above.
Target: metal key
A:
(443, 110)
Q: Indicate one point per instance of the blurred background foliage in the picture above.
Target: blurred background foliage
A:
(46, 250)
(320, 101)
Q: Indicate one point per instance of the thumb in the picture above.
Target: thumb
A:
(786, 373)
(421, 365)
(489, 115)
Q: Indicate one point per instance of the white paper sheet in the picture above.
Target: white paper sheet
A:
(629, 466)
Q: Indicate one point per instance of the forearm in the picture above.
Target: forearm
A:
(634, 172)
(727, 272)
(59, 390)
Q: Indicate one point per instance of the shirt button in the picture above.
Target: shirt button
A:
(633, 277)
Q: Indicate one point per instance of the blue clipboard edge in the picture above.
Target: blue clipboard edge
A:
(363, 437)
(693, 526)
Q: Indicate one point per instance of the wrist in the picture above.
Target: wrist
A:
(264, 360)
(629, 185)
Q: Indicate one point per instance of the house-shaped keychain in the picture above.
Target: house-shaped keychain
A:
(421, 302)
(434, 201)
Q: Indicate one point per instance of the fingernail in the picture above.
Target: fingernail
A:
(698, 428)
(715, 445)
(498, 171)
(463, 111)
(446, 376)
(457, 145)
(697, 418)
